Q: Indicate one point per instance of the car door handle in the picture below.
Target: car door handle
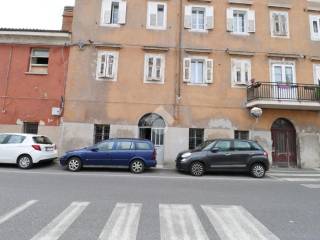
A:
(227, 154)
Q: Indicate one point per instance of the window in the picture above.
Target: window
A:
(316, 74)
(241, 71)
(3, 138)
(39, 61)
(157, 15)
(283, 73)
(199, 18)
(240, 21)
(113, 12)
(315, 27)
(198, 70)
(223, 145)
(241, 135)
(279, 24)
(42, 140)
(125, 145)
(30, 127)
(15, 139)
(107, 66)
(105, 146)
(143, 146)
(101, 133)
(196, 137)
(242, 145)
(154, 68)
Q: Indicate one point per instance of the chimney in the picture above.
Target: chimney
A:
(67, 19)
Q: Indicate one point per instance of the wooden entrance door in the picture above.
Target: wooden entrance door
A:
(284, 152)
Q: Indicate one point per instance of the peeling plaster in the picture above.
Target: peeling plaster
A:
(220, 123)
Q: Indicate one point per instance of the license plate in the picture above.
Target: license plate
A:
(49, 149)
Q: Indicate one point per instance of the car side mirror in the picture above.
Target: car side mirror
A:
(215, 150)
(94, 149)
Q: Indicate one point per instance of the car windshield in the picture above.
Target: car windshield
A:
(205, 145)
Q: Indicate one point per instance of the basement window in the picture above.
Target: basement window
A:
(101, 133)
(39, 61)
(30, 127)
(241, 135)
(196, 137)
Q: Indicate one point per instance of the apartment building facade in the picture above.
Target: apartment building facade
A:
(181, 72)
(33, 73)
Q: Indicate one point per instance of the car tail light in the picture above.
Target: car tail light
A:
(154, 155)
(36, 147)
(265, 154)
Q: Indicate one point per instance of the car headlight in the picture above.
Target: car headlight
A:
(186, 155)
(184, 160)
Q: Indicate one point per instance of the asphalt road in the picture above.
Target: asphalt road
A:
(48, 203)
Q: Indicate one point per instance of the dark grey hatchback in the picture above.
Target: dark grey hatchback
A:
(225, 155)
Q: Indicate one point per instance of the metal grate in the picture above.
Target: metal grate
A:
(30, 127)
(101, 132)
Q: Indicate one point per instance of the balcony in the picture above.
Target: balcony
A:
(284, 96)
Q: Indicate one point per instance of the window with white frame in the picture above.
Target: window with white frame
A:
(241, 71)
(283, 72)
(198, 70)
(279, 24)
(315, 27)
(154, 68)
(107, 65)
(39, 61)
(113, 12)
(241, 21)
(316, 74)
(157, 15)
(199, 18)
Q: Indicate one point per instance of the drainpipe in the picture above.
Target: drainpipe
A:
(7, 81)
(179, 62)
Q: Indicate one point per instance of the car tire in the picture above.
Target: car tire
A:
(258, 170)
(25, 162)
(74, 164)
(137, 166)
(197, 169)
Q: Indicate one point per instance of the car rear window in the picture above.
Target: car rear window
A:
(242, 145)
(42, 140)
(256, 146)
(15, 139)
(143, 146)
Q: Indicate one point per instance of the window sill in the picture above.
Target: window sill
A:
(198, 31)
(153, 82)
(106, 79)
(198, 84)
(111, 25)
(280, 36)
(240, 85)
(35, 73)
(156, 28)
(240, 34)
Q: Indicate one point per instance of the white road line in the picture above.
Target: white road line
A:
(302, 179)
(16, 211)
(180, 222)
(236, 223)
(312, 186)
(61, 223)
(294, 175)
(123, 223)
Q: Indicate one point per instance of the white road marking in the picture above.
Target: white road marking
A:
(61, 223)
(295, 175)
(144, 176)
(180, 222)
(236, 223)
(302, 179)
(312, 186)
(16, 211)
(123, 223)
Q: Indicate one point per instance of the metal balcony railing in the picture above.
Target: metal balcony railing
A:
(283, 91)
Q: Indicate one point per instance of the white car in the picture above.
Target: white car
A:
(26, 149)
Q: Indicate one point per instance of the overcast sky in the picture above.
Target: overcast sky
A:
(43, 14)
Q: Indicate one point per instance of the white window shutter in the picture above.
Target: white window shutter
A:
(162, 68)
(246, 69)
(209, 71)
(106, 11)
(146, 67)
(115, 65)
(101, 65)
(188, 17)
(273, 23)
(251, 21)
(234, 71)
(284, 24)
(122, 12)
(316, 74)
(187, 70)
(230, 20)
(209, 18)
(152, 14)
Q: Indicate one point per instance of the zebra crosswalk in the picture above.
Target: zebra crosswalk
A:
(307, 178)
(177, 222)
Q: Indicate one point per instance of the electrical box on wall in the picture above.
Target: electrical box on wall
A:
(56, 111)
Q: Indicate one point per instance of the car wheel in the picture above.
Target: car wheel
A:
(197, 169)
(137, 166)
(258, 170)
(74, 164)
(25, 162)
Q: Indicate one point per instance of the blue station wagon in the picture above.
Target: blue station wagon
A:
(137, 154)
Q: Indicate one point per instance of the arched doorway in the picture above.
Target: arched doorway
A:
(284, 151)
(152, 126)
